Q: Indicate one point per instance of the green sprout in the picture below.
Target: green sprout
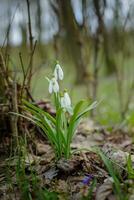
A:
(60, 129)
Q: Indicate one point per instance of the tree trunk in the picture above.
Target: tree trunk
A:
(74, 39)
(110, 64)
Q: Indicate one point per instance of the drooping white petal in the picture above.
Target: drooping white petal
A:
(67, 99)
(66, 103)
(55, 85)
(50, 88)
(58, 72)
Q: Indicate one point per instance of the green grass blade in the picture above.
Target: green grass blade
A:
(130, 169)
(117, 183)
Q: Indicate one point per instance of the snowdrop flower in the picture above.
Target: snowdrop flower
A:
(58, 72)
(66, 103)
(53, 85)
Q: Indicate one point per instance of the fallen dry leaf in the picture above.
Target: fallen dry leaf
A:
(51, 173)
(43, 148)
(104, 190)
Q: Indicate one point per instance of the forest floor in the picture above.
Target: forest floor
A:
(100, 168)
(102, 163)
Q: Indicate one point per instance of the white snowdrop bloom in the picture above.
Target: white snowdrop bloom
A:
(66, 103)
(58, 72)
(53, 86)
(67, 99)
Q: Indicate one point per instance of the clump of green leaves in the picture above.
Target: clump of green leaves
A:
(60, 129)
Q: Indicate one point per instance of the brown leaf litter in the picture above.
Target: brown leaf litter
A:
(66, 176)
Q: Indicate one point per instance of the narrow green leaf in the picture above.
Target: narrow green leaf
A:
(90, 107)
(109, 166)
(36, 108)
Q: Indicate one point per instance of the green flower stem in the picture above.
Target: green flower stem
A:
(57, 104)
